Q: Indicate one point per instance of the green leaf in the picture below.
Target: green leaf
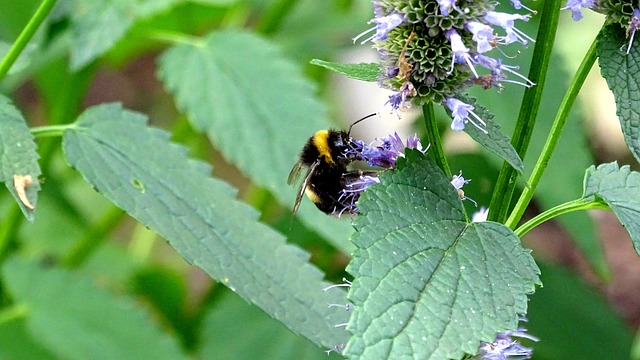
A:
(362, 71)
(140, 171)
(623, 77)
(620, 189)
(96, 26)
(429, 285)
(77, 320)
(259, 126)
(494, 139)
(223, 335)
(18, 159)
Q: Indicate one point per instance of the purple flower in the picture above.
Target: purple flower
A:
(482, 35)
(497, 67)
(446, 6)
(517, 4)
(460, 52)
(398, 100)
(463, 113)
(386, 154)
(576, 5)
(634, 24)
(352, 190)
(506, 21)
(384, 24)
(458, 181)
(504, 347)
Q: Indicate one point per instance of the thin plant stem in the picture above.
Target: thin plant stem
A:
(175, 37)
(505, 186)
(50, 130)
(14, 312)
(575, 205)
(435, 141)
(554, 136)
(26, 35)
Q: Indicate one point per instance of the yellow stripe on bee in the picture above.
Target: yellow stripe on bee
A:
(312, 195)
(321, 142)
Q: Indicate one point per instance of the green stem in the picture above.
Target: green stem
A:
(575, 205)
(175, 37)
(545, 38)
(50, 130)
(435, 141)
(24, 37)
(274, 17)
(93, 237)
(554, 135)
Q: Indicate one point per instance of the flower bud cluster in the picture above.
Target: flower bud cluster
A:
(433, 50)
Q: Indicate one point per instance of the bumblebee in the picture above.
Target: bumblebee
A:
(325, 156)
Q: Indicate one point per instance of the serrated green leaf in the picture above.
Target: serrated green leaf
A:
(429, 285)
(623, 77)
(494, 139)
(98, 25)
(18, 157)
(362, 71)
(139, 170)
(619, 187)
(77, 320)
(256, 107)
(223, 335)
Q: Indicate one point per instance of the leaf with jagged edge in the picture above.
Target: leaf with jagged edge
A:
(493, 139)
(75, 319)
(153, 180)
(622, 72)
(259, 126)
(619, 187)
(19, 168)
(96, 26)
(429, 285)
(363, 71)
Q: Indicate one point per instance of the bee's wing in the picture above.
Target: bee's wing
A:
(295, 173)
(305, 183)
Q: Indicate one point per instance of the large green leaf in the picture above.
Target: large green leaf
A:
(139, 170)
(256, 107)
(429, 285)
(255, 337)
(19, 168)
(362, 71)
(620, 189)
(623, 77)
(77, 320)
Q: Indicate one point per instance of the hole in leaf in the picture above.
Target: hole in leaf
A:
(138, 184)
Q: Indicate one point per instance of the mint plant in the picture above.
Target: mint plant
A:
(424, 264)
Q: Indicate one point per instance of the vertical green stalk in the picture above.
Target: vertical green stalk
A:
(9, 228)
(554, 135)
(435, 141)
(26, 35)
(545, 38)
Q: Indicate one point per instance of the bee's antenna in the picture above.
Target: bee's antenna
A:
(357, 121)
